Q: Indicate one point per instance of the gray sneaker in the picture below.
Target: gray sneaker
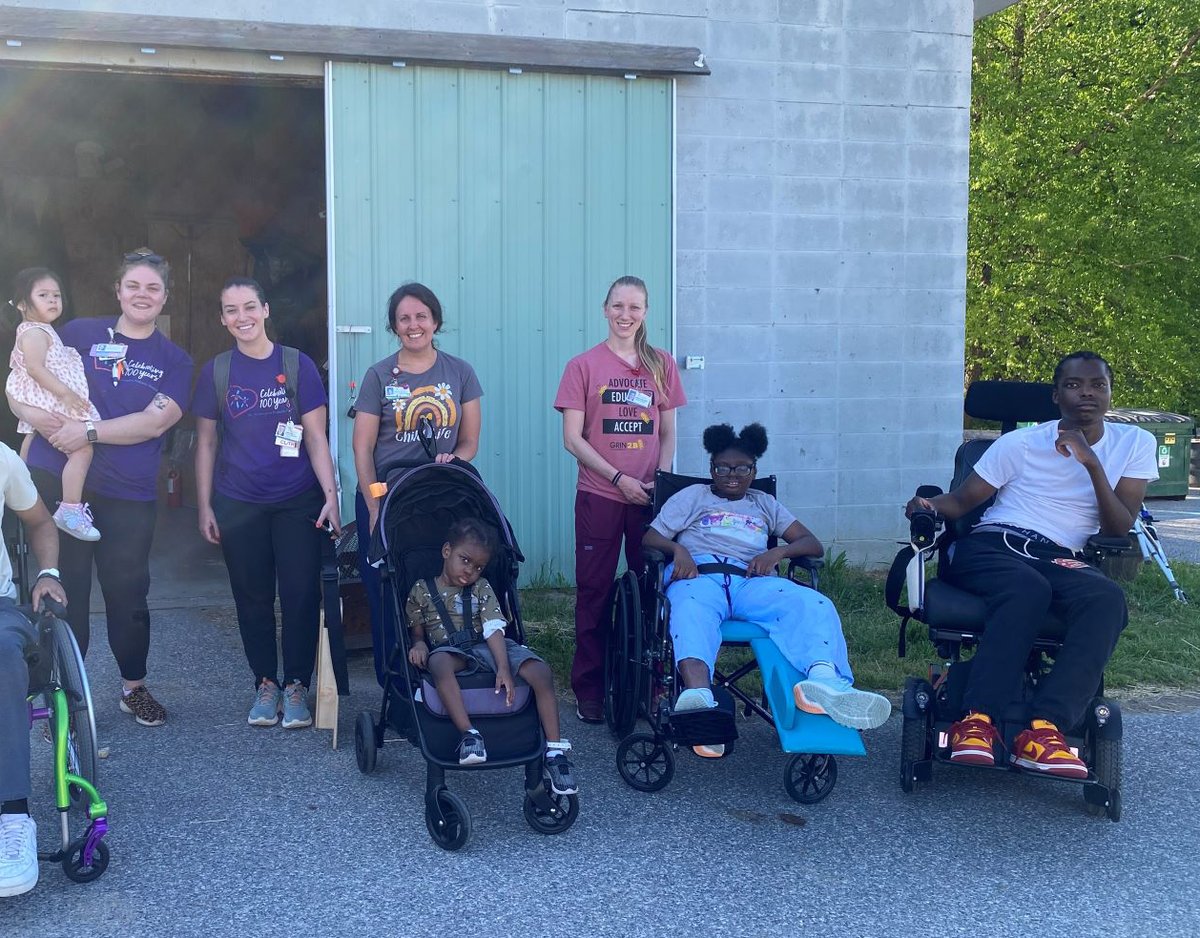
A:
(295, 707)
(267, 701)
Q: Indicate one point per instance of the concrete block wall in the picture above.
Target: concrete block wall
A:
(821, 216)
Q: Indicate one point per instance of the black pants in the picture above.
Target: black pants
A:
(122, 559)
(1019, 592)
(263, 544)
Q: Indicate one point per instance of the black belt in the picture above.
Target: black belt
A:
(726, 568)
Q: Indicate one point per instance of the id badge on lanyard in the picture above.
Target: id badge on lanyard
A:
(112, 355)
(287, 438)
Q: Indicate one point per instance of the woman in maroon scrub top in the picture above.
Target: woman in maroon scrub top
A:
(618, 403)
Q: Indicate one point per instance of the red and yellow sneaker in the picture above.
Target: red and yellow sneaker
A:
(1042, 748)
(972, 740)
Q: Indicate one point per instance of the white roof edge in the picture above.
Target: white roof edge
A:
(988, 7)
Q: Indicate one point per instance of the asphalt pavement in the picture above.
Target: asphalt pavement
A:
(222, 829)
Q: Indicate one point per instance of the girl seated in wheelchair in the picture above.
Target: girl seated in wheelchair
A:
(457, 625)
(721, 569)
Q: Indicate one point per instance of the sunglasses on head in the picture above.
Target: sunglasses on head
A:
(145, 257)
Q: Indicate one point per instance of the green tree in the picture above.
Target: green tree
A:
(1084, 224)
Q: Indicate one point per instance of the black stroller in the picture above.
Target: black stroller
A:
(421, 504)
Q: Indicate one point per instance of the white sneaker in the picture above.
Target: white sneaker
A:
(842, 702)
(18, 854)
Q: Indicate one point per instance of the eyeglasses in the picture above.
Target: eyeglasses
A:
(145, 257)
(719, 469)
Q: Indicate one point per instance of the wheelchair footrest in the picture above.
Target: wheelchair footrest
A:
(706, 727)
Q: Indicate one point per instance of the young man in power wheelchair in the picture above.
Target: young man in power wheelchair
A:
(1021, 582)
(718, 540)
(31, 659)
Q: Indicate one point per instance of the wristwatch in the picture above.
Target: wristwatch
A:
(93, 437)
(50, 572)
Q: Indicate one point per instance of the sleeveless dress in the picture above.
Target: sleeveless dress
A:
(63, 362)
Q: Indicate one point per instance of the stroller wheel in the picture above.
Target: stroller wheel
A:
(645, 763)
(366, 744)
(448, 820)
(564, 811)
(810, 778)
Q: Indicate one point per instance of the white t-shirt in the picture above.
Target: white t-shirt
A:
(18, 493)
(709, 524)
(1040, 489)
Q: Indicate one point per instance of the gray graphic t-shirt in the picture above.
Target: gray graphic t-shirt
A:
(403, 401)
(709, 524)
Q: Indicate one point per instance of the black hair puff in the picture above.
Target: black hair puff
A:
(752, 440)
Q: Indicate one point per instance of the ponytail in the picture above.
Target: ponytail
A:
(649, 357)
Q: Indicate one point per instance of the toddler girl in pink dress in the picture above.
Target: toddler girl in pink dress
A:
(49, 375)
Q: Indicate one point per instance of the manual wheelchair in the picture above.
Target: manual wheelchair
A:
(955, 620)
(640, 682)
(59, 694)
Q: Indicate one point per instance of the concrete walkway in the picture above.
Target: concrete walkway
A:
(220, 829)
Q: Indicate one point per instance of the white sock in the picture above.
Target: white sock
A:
(704, 693)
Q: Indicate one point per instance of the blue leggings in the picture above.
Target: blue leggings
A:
(800, 621)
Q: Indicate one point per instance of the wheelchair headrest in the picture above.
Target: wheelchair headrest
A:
(667, 484)
(1011, 402)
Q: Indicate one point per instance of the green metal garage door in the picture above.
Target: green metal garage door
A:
(517, 198)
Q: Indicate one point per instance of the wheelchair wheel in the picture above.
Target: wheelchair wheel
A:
(73, 865)
(914, 747)
(645, 763)
(70, 675)
(448, 820)
(810, 778)
(366, 745)
(565, 811)
(1106, 766)
(624, 675)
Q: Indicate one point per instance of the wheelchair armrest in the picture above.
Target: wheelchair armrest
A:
(653, 555)
(1106, 546)
(812, 566)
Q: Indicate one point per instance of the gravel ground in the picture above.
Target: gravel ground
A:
(221, 829)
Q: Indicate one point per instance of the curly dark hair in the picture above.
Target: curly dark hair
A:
(473, 530)
(752, 440)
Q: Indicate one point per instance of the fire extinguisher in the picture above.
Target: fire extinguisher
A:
(174, 489)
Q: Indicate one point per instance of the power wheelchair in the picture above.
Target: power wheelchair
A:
(955, 620)
(640, 682)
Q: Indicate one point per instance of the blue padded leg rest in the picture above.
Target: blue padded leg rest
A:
(798, 731)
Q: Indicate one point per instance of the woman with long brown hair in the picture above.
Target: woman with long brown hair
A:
(618, 402)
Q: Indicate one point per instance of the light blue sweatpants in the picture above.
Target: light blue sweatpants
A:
(800, 621)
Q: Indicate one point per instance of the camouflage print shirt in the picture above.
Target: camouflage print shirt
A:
(422, 611)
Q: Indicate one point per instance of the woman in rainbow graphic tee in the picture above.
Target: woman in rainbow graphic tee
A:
(419, 385)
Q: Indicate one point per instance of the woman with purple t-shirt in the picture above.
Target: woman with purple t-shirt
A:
(618, 403)
(420, 388)
(265, 486)
(138, 380)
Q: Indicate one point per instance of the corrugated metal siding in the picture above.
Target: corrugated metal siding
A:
(517, 199)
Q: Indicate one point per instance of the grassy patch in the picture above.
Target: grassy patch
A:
(1160, 648)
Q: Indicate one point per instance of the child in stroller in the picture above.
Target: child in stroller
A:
(456, 625)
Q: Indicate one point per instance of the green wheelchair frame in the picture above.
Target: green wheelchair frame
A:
(58, 678)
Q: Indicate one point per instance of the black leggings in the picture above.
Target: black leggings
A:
(122, 559)
(269, 542)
